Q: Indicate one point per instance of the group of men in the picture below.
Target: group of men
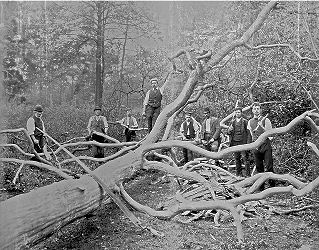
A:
(241, 131)
(207, 133)
(97, 129)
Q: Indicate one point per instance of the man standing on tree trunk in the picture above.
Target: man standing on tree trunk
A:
(263, 154)
(36, 135)
(97, 123)
(152, 103)
(239, 135)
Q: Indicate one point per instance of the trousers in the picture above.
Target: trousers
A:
(98, 152)
(239, 157)
(264, 160)
(129, 134)
(151, 114)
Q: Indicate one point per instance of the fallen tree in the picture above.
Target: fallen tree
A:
(33, 216)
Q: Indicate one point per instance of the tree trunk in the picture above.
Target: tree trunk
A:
(34, 215)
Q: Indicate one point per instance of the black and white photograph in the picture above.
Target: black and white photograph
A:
(159, 125)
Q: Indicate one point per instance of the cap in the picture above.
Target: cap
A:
(38, 108)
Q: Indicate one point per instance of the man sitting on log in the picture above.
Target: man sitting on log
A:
(130, 125)
(97, 123)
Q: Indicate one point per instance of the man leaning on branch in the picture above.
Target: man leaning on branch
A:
(152, 103)
(35, 123)
(97, 124)
(263, 154)
(239, 134)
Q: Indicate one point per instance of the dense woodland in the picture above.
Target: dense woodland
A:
(71, 56)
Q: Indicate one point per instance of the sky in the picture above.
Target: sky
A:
(172, 14)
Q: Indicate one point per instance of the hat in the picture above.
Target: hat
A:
(38, 108)
(97, 108)
(154, 79)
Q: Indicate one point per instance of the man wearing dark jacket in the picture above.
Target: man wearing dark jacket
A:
(239, 135)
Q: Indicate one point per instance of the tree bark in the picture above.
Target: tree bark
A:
(34, 215)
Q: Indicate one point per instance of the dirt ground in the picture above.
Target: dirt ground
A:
(108, 228)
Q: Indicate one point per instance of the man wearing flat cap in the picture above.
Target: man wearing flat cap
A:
(190, 131)
(97, 124)
(239, 134)
(35, 123)
(152, 103)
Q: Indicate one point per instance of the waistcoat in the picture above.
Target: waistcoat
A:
(98, 126)
(239, 130)
(253, 125)
(190, 126)
(155, 98)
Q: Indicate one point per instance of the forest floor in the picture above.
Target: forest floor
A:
(108, 228)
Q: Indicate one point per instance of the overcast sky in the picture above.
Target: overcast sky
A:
(172, 14)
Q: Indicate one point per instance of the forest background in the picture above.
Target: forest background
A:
(71, 56)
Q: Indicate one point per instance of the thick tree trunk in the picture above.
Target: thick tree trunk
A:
(34, 215)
